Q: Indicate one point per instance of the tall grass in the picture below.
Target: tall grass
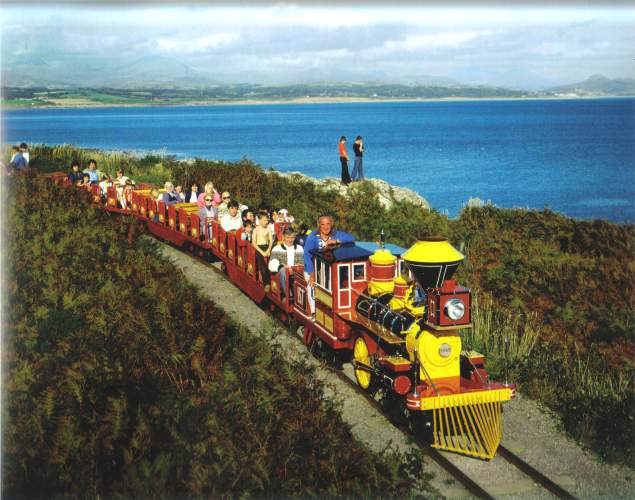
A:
(502, 334)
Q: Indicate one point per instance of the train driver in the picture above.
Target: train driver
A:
(324, 236)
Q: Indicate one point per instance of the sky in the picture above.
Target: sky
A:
(535, 45)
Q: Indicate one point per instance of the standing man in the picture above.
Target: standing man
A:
(358, 169)
(346, 178)
(325, 236)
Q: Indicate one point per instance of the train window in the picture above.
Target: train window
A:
(344, 283)
(359, 272)
(323, 274)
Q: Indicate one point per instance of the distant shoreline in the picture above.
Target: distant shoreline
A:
(305, 100)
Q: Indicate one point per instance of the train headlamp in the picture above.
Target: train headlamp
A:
(454, 309)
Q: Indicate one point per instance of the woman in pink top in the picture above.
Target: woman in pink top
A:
(209, 189)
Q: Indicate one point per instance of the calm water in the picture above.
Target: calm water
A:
(573, 156)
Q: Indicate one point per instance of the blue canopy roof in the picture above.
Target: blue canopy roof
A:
(371, 246)
(348, 251)
(360, 250)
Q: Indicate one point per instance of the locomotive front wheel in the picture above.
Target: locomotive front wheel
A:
(364, 374)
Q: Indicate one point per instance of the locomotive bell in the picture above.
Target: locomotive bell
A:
(432, 261)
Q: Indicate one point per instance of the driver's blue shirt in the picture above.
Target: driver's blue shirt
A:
(314, 242)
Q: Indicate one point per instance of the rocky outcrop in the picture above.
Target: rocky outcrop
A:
(386, 193)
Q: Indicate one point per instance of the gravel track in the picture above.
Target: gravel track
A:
(528, 431)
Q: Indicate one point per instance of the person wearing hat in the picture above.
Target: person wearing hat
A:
(346, 178)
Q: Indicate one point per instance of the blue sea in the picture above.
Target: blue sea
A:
(574, 156)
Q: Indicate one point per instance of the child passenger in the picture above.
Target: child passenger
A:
(262, 240)
(247, 233)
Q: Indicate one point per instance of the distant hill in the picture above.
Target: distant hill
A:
(126, 72)
(598, 85)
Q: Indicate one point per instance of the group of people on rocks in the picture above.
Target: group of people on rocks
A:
(358, 168)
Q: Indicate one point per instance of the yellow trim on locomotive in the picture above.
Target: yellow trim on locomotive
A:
(382, 258)
(433, 252)
(439, 355)
(470, 423)
(397, 304)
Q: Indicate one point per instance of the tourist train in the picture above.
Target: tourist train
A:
(396, 314)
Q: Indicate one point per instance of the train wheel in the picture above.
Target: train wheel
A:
(364, 371)
(420, 424)
(395, 407)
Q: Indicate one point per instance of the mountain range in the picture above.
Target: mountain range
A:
(159, 72)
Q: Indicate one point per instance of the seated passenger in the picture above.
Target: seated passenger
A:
(209, 189)
(248, 215)
(287, 254)
(262, 240)
(104, 184)
(74, 175)
(86, 182)
(231, 221)
(155, 195)
(179, 190)
(170, 196)
(93, 175)
(207, 211)
(283, 216)
(121, 179)
(191, 196)
(248, 227)
(222, 208)
(273, 215)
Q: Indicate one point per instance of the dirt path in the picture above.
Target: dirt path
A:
(529, 432)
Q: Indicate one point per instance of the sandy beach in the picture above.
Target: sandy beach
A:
(85, 103)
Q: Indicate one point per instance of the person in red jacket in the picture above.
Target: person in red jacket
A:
(346, 178)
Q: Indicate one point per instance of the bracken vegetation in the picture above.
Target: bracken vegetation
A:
(120, 380)
(562, 290)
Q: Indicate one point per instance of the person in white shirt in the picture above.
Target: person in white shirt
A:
(121, 179)
(286, 254)
(191, 196)
(231, 220)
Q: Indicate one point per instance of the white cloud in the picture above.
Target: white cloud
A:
(437, 40)
(201, 44)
